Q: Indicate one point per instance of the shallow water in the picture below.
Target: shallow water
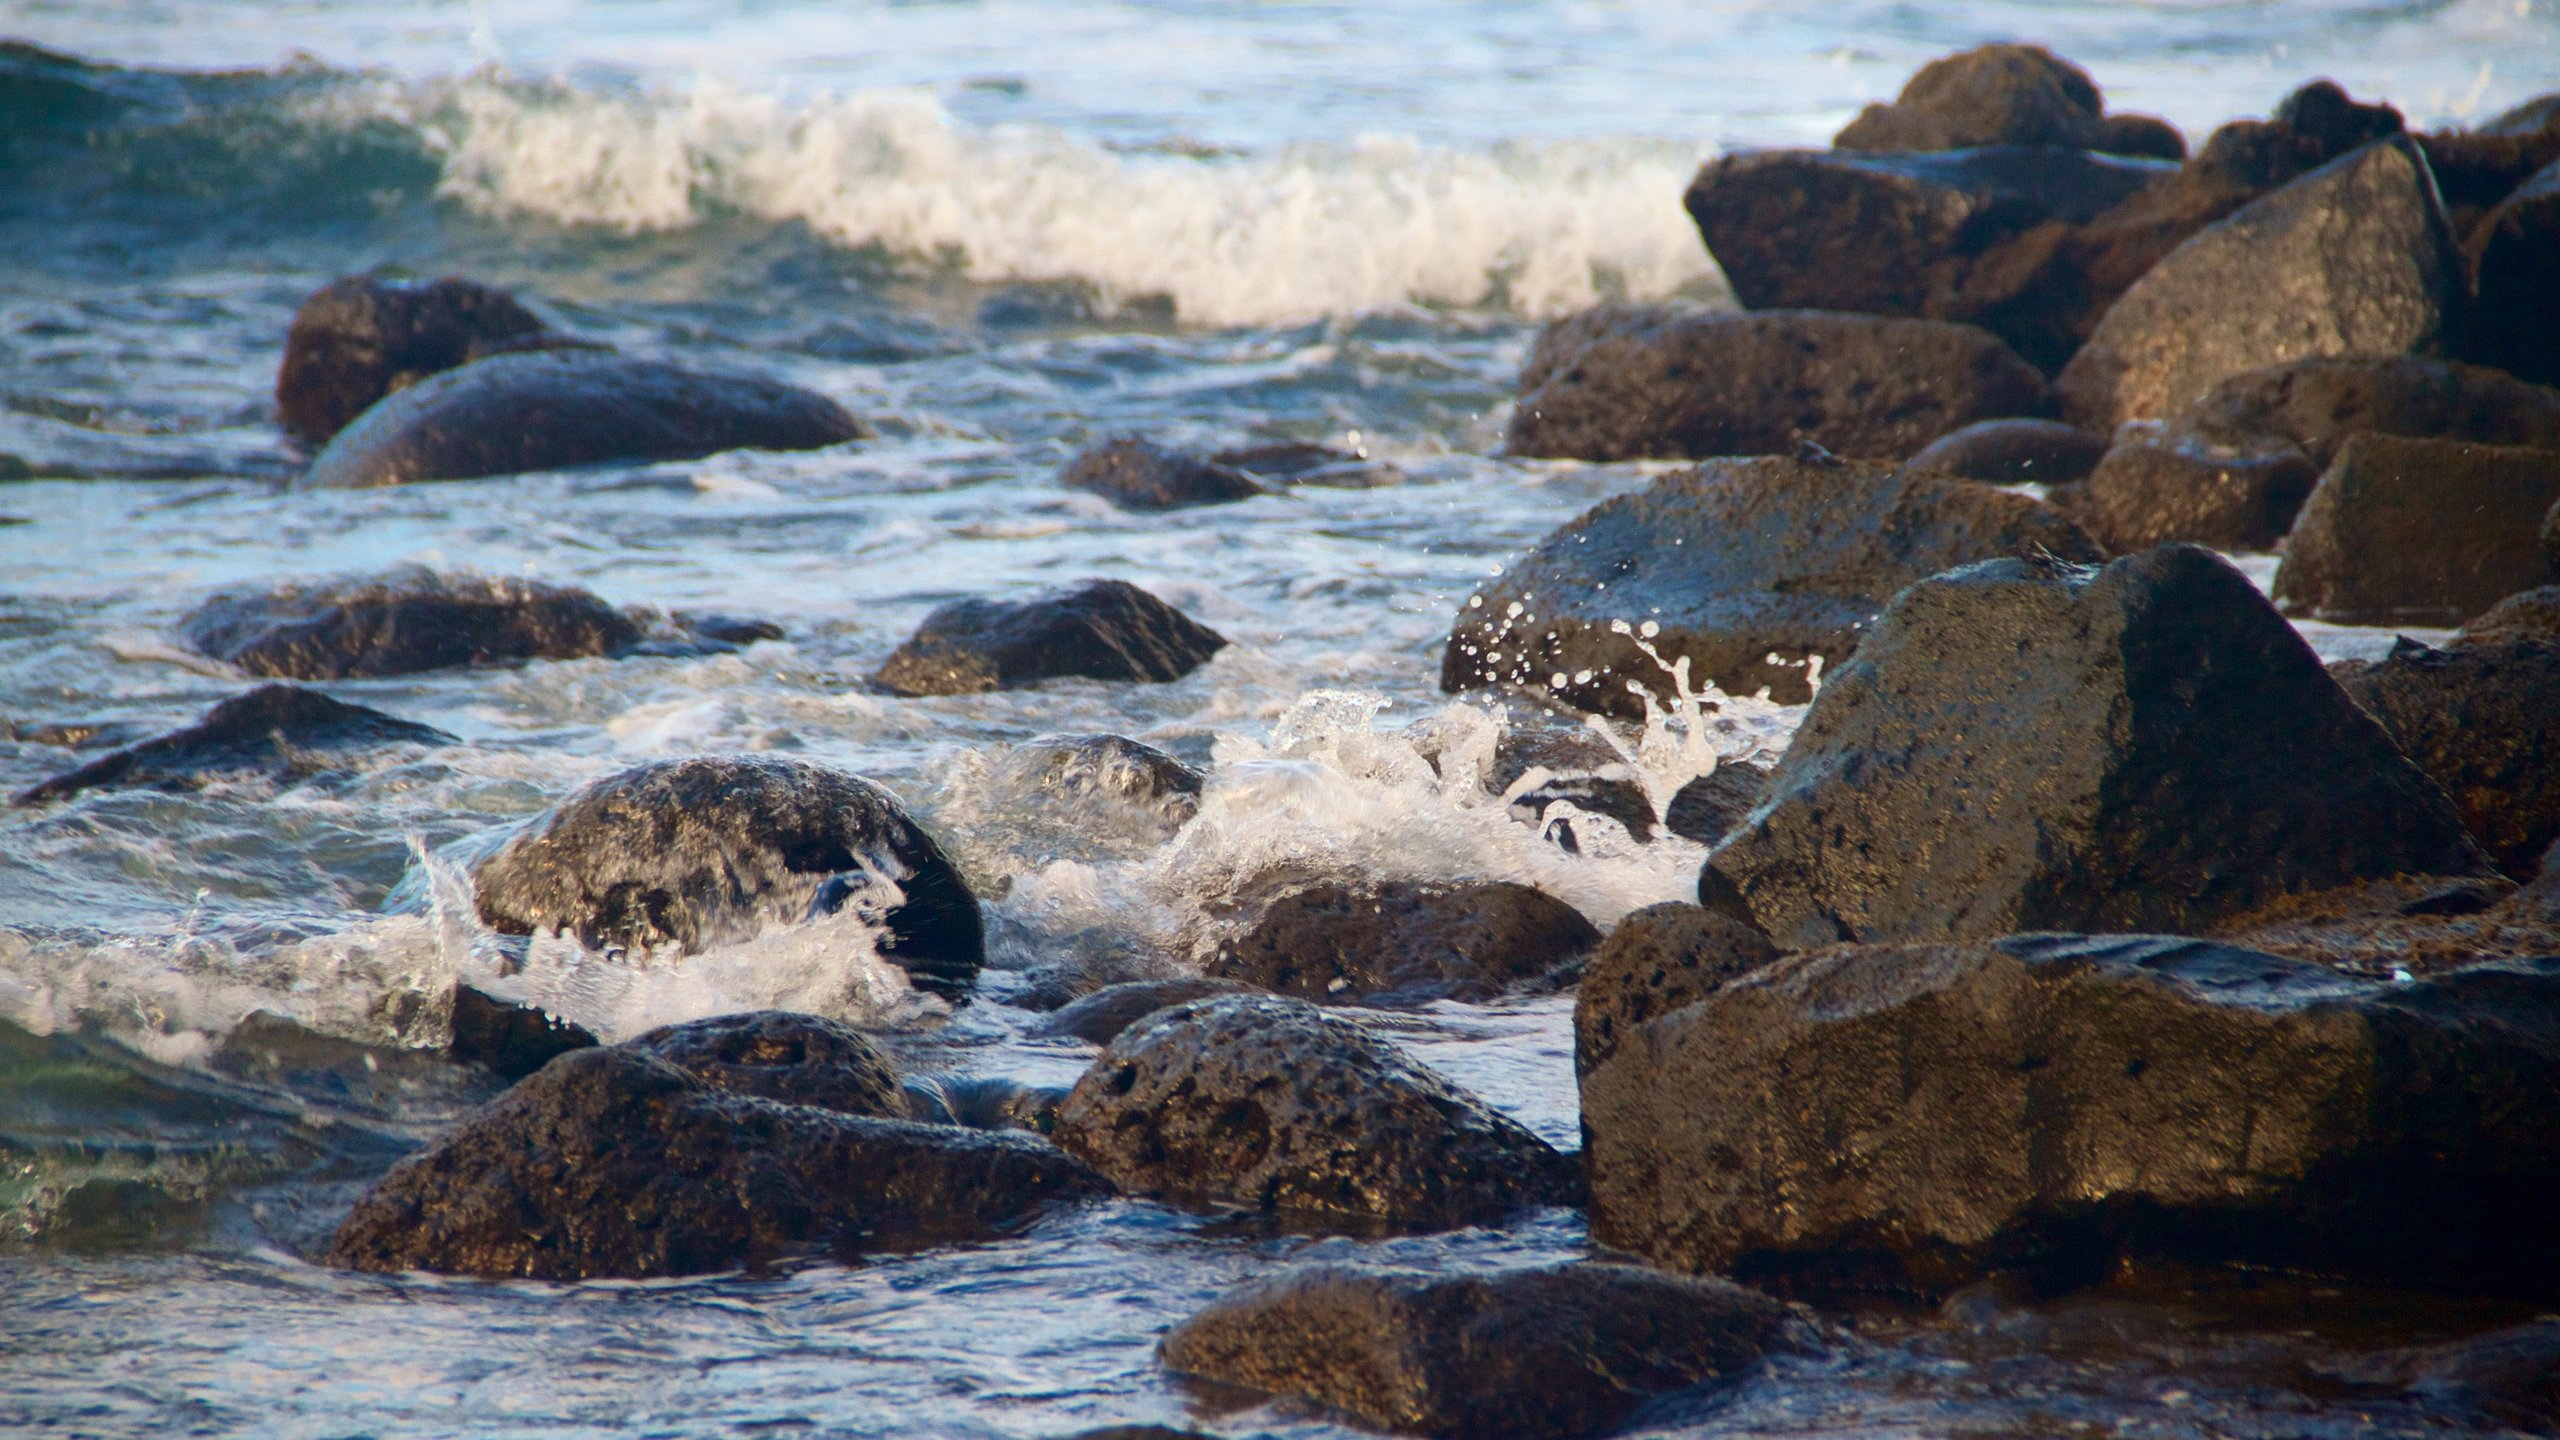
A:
(995, 231)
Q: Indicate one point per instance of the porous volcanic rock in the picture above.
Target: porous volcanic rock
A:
(1668, 383)
(2479, 719)
(1554, 1352)
(2023, 746)
(1102, 629)
(2013, 452)
(557, 408)
(1274, 1104)
(2157, 484)
(2317, 404)
(1912, 1117)
(2526, 615)
(2515, 252)
(401, 622)
(358, 339)
(1730, 564)
(1660, 959)
(280, 733)
(1409, 941)
(1989, 95)
(1098, 1018)
(1135, 473)
(781, 1055)
(697, 852)
(612, 1162)
(2418, 532)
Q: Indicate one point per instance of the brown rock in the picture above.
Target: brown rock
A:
(360, 338)
(1135, 473)
(1707, 808)
(2144, 135)
(779, 1055)
(1990, 95)
(2418, 532)
(1101, 630)
(2316, 404)
(1408, 941)
(1098, 1018)
(2013, 452)
(2527, 615)
(1660, 959)
(2156, 485)
(2515, 252)
(2479, 720)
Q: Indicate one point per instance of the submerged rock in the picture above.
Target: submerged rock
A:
(280, 733)
(1548, 1353)
(1135, 473)
(1102, 630)
(2515, 252)
(548, 411)
(1726, 566)
(2023, 746)
(2156, 485)
(700, 852)
(1660, 959)
(1275, 1105)
(358, 339)
(509, 1039)
(1409, 941)
(1098, 1018)
(2013, 452)
(778, 1055)
(982, 1102)
(612, 1162)
(2479, 719)
(402, 622)
(2418, 532)
(1989, 95)
(1117, 766)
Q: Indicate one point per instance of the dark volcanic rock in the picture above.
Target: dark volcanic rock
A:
(698, 852)
(2356, 256)
(1729, 564)
(1914, 1116)
(1551, 1353)
(512, 413)
(1613, 797)
(2147, 136)
(1708, 807)
(1274, 1104)
(2516, 254)
(360, 338)
(509, 1039)
(1660, 959)
(2479, 719)
(402, 622)
(2527, 615)
(1989, 95)
(983, 1102)
(1409, 941)
(279, 733)
(2317, 404)
(1137, 474)
(1667, 384)
(2013, 452)
(611, 1162)
(1098, 1018)
(1102, 629)
(2147, 747)
(2418, 532)
(1118, 766)
(779, 1055)
(2157, 484)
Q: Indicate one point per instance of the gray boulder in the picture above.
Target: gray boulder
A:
(2318, 404)
(1102, 630)
(2418, 532)
(1098, 1018)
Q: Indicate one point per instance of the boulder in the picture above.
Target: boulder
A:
(282, 734)
(778, 1055)
(2356, 256)
(2013, 452)
(1706, 809)
(1554, 1352)
(612, 1162)
(1914, 1117)
(2022, 746)
(2418, 532)
(2515, 252)
(2316, 405)
(402, 622)
(1098, 1018)
(2478, 719)
(2146, 136)
(700, 852)
(1273, 1104)
(2157, 484)
(358, 339)
(1726, 566)
(1116, 766)
(1101, 629)
(506, 1038)
(1406, 941)
(1135, 473)
(1660, 959)
(1667, 384)
(553, 409)
(2526, 615)
(1989, 95)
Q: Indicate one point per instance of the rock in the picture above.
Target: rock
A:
(2147, 136)
(2510, 1378)
(282, 734)
(402, 622)
(1406, 941)
(2418, 532)
(551, 410)
(2356, 256)
(2023, 746)
(2527, 615)
(1914, 1117)
(982, 1102)
(2532, 117)
(1730, 564)
(2478, 719)
(1669, 384)
(1135, 473)
(2421, 925)
(1117, 766)
(1660, 959)
(1620, 800)
(779, 1055)
(1275, 1105)
(611, 1162)
(2013, 452)
(1299, 462)
(2515, 252)
(2158, 484)
(1098, 1018)
(1989, 95)
(705, 851)
(509, 1039)
(358, 339)
(1549, 1353)
(1102, 629)
(2317, 404)
(1707, 808)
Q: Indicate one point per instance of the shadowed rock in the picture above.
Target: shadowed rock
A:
(507, 1038)
(2478, 718)
(2510, 1378)
(280, 733)
(2144, 136)
(1660, 959)
(1102, 630)
(2515, 252)
(1098, 1018)
(2013, 452)
(2157, 484)
(2527, 615)
(2418, 532)
(1707, 808)
(2320, 403)
(1405, 940)
(778, 1055)
(1135, 473)
(358, 339)
(1989, 95)
(402, 622)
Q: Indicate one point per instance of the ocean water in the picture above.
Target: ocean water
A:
(995, 231)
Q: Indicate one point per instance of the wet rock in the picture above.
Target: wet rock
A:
(1548, 1353)
(1730, 564)
(982, 1102)
(1668, 384)
(2527, 615)
(2356, 256)
(700, 852)
(1117, 766)
(717, 629)
(1275, 1105)
(402, 622)
(2510, 1378)
(1989, 95)
(2157, 484)
(1098, 1018)
(2418, 532)
(551, 410)
(2478, 719)
(2515, 252)
(1300, 462)
(2317, 404)
(1660, 959)
(1135, 473)
(2147, 136)
(1102, 629)
(2421, 925)
(1707, 808)
(509, 1039)
(1406, 941)
(779, 1055)
(1913, 1117)
(360, 338)
(2023, 746)
(1621, 801)
(280, 733)
(611, 1162)
(2013, 452)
